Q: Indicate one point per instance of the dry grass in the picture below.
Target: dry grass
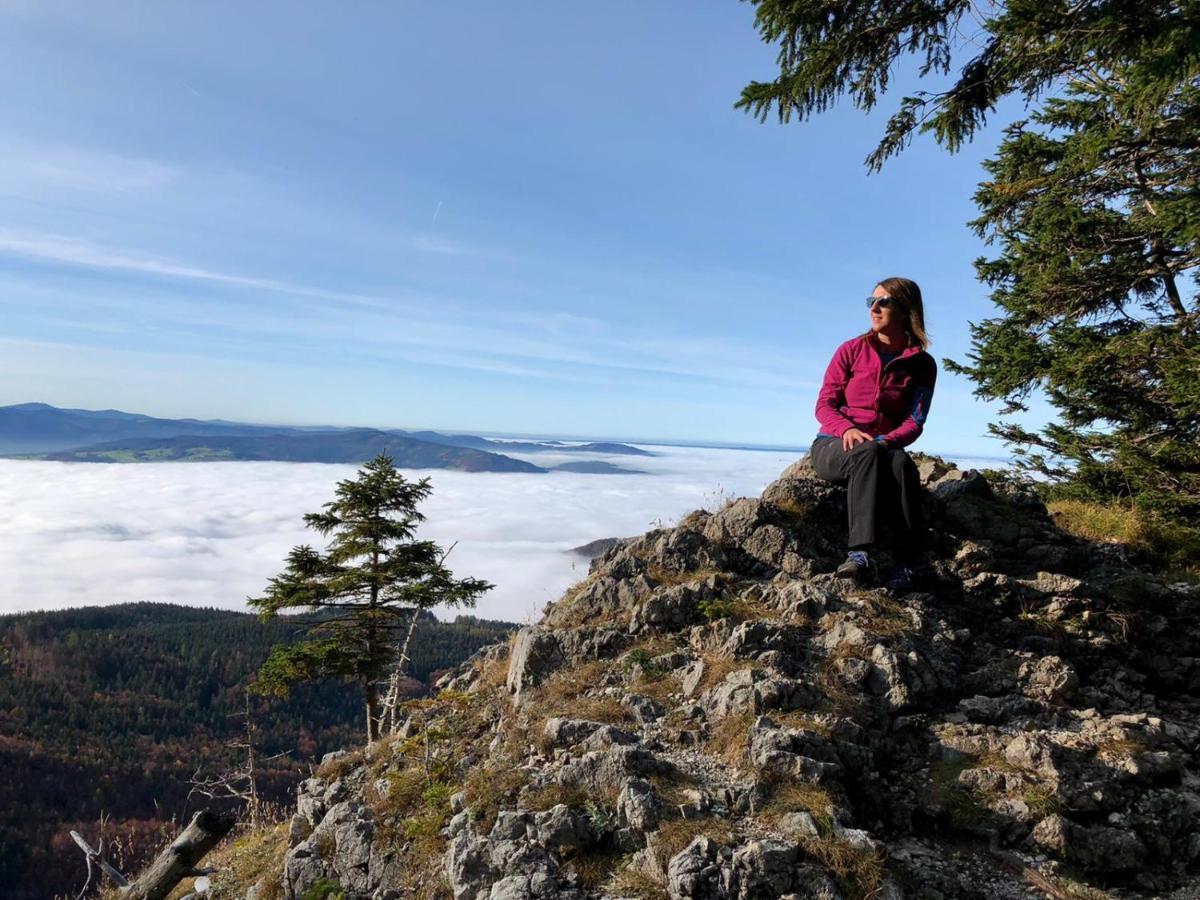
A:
(649, 681)
(997, 761)
(800, 796)
(336, 768)
(796, 509)
(716, 669)
(672, 787)
(564, 694)
(1171, 544)
(1077, 890)
(1122, 747)
(1042, 800)
(738, 610)
(494, 673)
(857, 870)
(245, 861)
(635, 883)
(674, 835)
(840, 699)
(657, 687)
(884, 616)
(802, 719)
(667, 578)
(594, 866)
(563, 687)
(489, 790)
(550, 795)
(729, 739)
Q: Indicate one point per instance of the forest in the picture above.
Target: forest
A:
(108, 711)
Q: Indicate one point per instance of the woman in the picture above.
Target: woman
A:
(874, 402)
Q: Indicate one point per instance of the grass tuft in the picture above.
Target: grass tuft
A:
(857, 870)
(729, 739)
(636, 885)
(1172, 545)
(248, 860)
(800, 796)
(673, 835)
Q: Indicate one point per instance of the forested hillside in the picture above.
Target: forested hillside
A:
(111, 709)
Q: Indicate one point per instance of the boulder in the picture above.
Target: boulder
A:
(535, 654)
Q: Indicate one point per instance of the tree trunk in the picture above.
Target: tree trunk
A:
(372, 700)
(393, 694)
(180, 858)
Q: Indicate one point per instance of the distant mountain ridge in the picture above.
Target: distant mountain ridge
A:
(43, 431)
(41, 428)
(326, 447)
(479, 443)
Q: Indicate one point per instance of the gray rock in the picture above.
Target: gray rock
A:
(644, 709)
(674, 607)
(1097, 847)
(535, 654)
(562, 829)
(1050, 678)
(692, 676)
(605, 771)
(736, 522)
(764, 869)
(607, 736)
(699, 872)
(732, 697)
(637, 807)
(568, 732)
(792, 752)
(770, 544)
(801, 824)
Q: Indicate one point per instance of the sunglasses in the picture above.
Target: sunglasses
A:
(884, 302)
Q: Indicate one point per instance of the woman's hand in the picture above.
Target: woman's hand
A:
(851, 437)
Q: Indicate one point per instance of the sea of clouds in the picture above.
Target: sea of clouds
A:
(211, 534)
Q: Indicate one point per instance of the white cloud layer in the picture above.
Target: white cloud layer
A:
(209, 534)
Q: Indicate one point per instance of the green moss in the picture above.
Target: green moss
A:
(716, 608)
(960, 804)
(324, 889)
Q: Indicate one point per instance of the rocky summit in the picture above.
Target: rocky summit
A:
(712, 714)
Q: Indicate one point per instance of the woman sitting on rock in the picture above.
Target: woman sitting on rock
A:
(874, 402)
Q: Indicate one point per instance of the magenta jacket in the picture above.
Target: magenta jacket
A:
(890, 402)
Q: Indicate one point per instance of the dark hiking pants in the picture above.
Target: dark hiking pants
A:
(880, 481)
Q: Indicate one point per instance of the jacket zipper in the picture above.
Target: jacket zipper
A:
(879, 384)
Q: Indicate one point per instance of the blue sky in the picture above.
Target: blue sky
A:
(523, 218)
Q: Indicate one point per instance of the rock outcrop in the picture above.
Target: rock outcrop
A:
(712, 714)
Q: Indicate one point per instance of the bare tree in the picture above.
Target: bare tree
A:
(389, 718)
(242, 783)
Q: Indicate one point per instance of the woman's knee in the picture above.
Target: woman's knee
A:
(866, 451)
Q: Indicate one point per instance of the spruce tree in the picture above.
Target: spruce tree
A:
(371, 580)
(1093, 202)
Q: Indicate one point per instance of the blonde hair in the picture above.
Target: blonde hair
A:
(905, 292)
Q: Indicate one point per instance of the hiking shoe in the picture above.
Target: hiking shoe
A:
(901, 579)
(855, 567)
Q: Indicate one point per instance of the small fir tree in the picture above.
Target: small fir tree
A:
(371, 580)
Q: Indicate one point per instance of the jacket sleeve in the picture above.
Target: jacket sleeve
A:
(833, 394)
(910, 429)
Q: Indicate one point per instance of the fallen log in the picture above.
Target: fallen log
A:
(179, 859)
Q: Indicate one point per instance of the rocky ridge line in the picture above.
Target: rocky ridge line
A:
(712, 714)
